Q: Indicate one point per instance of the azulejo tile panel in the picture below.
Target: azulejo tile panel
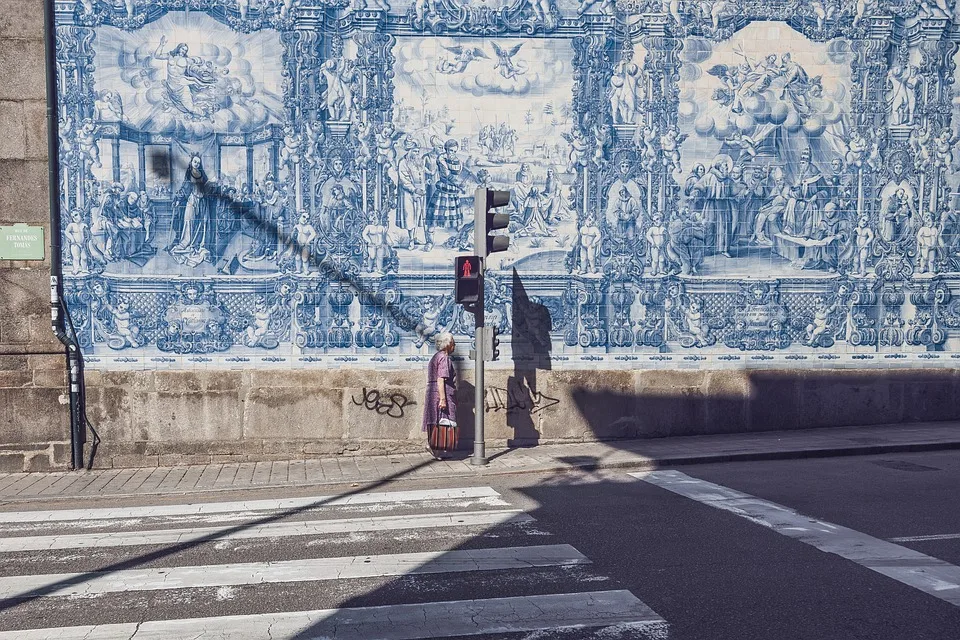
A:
(720, 183)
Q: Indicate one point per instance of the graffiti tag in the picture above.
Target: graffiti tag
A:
(392, 405)
(518, 399)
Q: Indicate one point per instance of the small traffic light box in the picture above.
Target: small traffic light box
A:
(485, 221)
(468, 279)
(490, 349)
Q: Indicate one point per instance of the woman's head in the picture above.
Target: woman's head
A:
(444, 342)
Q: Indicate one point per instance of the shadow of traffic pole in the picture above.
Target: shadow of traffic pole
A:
(530, 344)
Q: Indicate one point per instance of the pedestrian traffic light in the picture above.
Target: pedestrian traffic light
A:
(468, 279)
(485, 221)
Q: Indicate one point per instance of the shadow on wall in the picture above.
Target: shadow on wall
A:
(530, 341)
(465, 419)
(681, 403)
(530, 346)
(234, 212)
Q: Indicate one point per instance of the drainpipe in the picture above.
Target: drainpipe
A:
(59, 317)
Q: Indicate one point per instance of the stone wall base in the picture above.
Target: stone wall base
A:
(34, 418)
(150, 418)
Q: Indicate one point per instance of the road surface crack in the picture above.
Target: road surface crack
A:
(136, 630)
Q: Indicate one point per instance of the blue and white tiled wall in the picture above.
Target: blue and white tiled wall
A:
(694, 184)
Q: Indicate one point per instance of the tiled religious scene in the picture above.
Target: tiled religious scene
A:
(698, 184)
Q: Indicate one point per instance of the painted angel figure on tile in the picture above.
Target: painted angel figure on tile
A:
(108, 107)
(376, 240)
(627, 91)
(87, 142)
(904, 82)
(715, 10)
(424, 10)
(77, 235)
(543, 12)
(936, 8)
(928, 245)
(606, 7)
(286, 7)
(589, 240)
(506, 64)
(943, 149)
(463, 55)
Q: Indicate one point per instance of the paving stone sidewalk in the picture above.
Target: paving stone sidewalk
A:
(632, 454)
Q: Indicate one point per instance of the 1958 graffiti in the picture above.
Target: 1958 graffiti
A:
(517, 398)
(392, 405)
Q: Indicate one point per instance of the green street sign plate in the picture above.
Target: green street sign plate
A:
(21, 242)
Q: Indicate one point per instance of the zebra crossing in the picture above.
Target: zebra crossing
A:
(388, 565)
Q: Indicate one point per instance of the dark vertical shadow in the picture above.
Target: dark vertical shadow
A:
(466, 420)
(530, 341)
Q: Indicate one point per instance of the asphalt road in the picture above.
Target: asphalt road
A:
(842, 548)
(715, 575)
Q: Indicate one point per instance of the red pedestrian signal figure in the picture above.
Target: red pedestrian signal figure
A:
(468, 279)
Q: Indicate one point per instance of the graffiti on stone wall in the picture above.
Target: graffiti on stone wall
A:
(392, 404)
(517, 399)
(292, 178)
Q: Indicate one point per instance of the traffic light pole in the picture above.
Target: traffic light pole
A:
(485, 221)
(479, 444)
(480, 248)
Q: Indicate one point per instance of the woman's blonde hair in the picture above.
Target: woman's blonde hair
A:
(443, 340)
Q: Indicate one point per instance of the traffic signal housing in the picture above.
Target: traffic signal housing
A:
(486, 219)
(490, 349)
(469, 279)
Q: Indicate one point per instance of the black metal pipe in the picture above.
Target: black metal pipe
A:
(78, 431)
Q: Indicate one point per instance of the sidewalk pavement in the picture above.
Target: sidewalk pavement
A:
(588, 456)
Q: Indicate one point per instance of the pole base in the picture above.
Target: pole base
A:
(479, 457)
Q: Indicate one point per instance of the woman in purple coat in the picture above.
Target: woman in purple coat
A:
(440, 406)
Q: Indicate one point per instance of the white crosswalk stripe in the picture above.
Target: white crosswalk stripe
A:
(401, 622)
(272, 556)
(918, 570)
(276, 529)
(232, 575)
(247, 506)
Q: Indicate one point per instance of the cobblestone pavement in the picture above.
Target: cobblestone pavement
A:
(633, 454)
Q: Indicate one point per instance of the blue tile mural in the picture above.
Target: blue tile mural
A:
(693, 183)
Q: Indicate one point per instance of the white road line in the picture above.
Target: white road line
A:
(220, 575)
(920, 571)
(398, 622)
(271, 530)
(929, 538)
(246, 506)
